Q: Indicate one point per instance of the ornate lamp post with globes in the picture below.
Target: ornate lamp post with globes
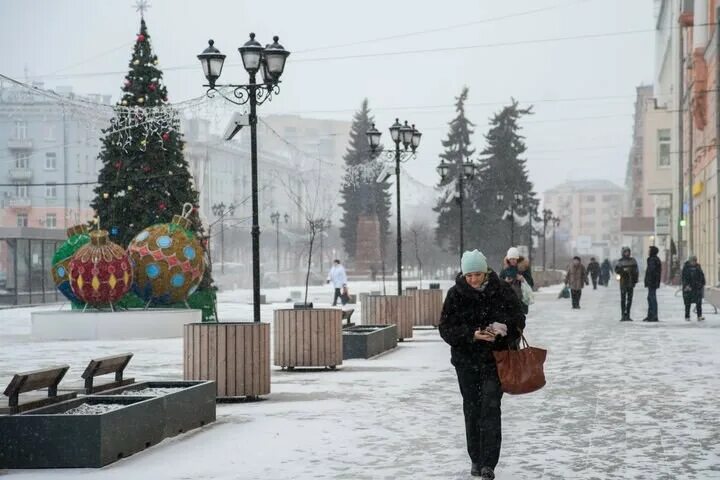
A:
(467, 172)
(270, 62)
(409, 137)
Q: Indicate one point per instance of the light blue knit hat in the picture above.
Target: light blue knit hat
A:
(473, 262)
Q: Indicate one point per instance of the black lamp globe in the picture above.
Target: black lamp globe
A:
(443, 169)
(406, 132)
(373, 137)
(416, 135)
(212, 62)
(274, 58)
(251, 54)
(395, 131)
(469, 169)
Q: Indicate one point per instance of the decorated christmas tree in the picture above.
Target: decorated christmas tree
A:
(144, 179)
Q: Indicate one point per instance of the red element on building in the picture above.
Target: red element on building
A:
(700, 77)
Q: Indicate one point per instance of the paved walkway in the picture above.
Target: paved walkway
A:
(623, 401)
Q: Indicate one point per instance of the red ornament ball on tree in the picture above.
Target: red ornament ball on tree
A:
(100, 271)
(118, 165)
(146, 169)
(152, 87)
(165, 136)
(141, 38)
(162, 206)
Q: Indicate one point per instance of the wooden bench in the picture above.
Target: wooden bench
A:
(102, 366)
(36, 380)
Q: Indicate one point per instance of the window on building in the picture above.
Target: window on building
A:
(609, 198)
(50, 133)
(663, 147)
(51, 190)
(50, 161)
(21, 190)
(22, 160)
(51, 220)
(22, 220)
(21, 129)
(588, 211)
(589, 198)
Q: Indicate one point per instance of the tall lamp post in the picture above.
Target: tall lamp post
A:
(275, 219)
(409, 137)
(465, 171)
(556, 223)
(532, 212)
(221, 211)
(323, 226)
(270, 62)
(546, 218)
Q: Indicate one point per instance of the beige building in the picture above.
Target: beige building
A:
(649, 180)
(589, 213)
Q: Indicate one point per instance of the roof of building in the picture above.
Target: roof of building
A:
(594, 185)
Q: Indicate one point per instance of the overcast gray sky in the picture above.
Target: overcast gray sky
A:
(77, 42)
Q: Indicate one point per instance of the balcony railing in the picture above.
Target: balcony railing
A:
(20, 144)
(19, 202)
(20, 174)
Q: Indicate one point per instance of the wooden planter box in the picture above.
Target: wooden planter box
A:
(428, 307)
(389, 310)
(308, 338)
(366, 341)
(235, 355)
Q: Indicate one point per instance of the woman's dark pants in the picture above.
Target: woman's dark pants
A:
(480, 389)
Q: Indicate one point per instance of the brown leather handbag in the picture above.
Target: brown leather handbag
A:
(521, 371)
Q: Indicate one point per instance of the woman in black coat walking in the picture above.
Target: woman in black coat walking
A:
(480, 314)
(693, 283)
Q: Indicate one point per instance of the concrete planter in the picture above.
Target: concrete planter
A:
(428, 307)
(389, 310)
(49, 438)
(366, 341)
(184, 410)
(308, 338)
(235, 355)
(126, 325)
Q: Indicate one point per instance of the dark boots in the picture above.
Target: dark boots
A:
(485, 473)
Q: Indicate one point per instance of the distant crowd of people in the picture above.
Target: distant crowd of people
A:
(628, 273)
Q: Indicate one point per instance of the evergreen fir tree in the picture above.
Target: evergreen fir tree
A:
(360, 192)
(457, 151)
(144, 178)
(501, 170)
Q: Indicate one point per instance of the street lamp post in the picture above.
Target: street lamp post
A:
(547, 216)
(270, 62)
(532, 212)
(409, 136)
(323, 226)
(275, 219)
(465, 171)
(516, 198)
(556, 223)
(220, 211)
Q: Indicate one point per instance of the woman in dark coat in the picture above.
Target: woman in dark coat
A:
(605, 272)
(481, 313)
(693, 283)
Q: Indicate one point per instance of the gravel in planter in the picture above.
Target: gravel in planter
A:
(94, 409)
(152, 391)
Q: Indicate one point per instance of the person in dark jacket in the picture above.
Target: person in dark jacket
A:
(593, 270)
(576, 279)
(653, 273)
(693, 283)
(605, 272)
(627, 269)
(481, 313)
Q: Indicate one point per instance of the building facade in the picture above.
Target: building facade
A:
(589, 213)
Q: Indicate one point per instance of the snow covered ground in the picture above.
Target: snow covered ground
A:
(623, 401)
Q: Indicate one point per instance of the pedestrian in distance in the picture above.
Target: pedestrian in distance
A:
(605, 269)
(653, 273)
(576, 279)
(693, 285)
(481, 313)
(338, 278)
(627, 271)
(516, 271)
(593, 269)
